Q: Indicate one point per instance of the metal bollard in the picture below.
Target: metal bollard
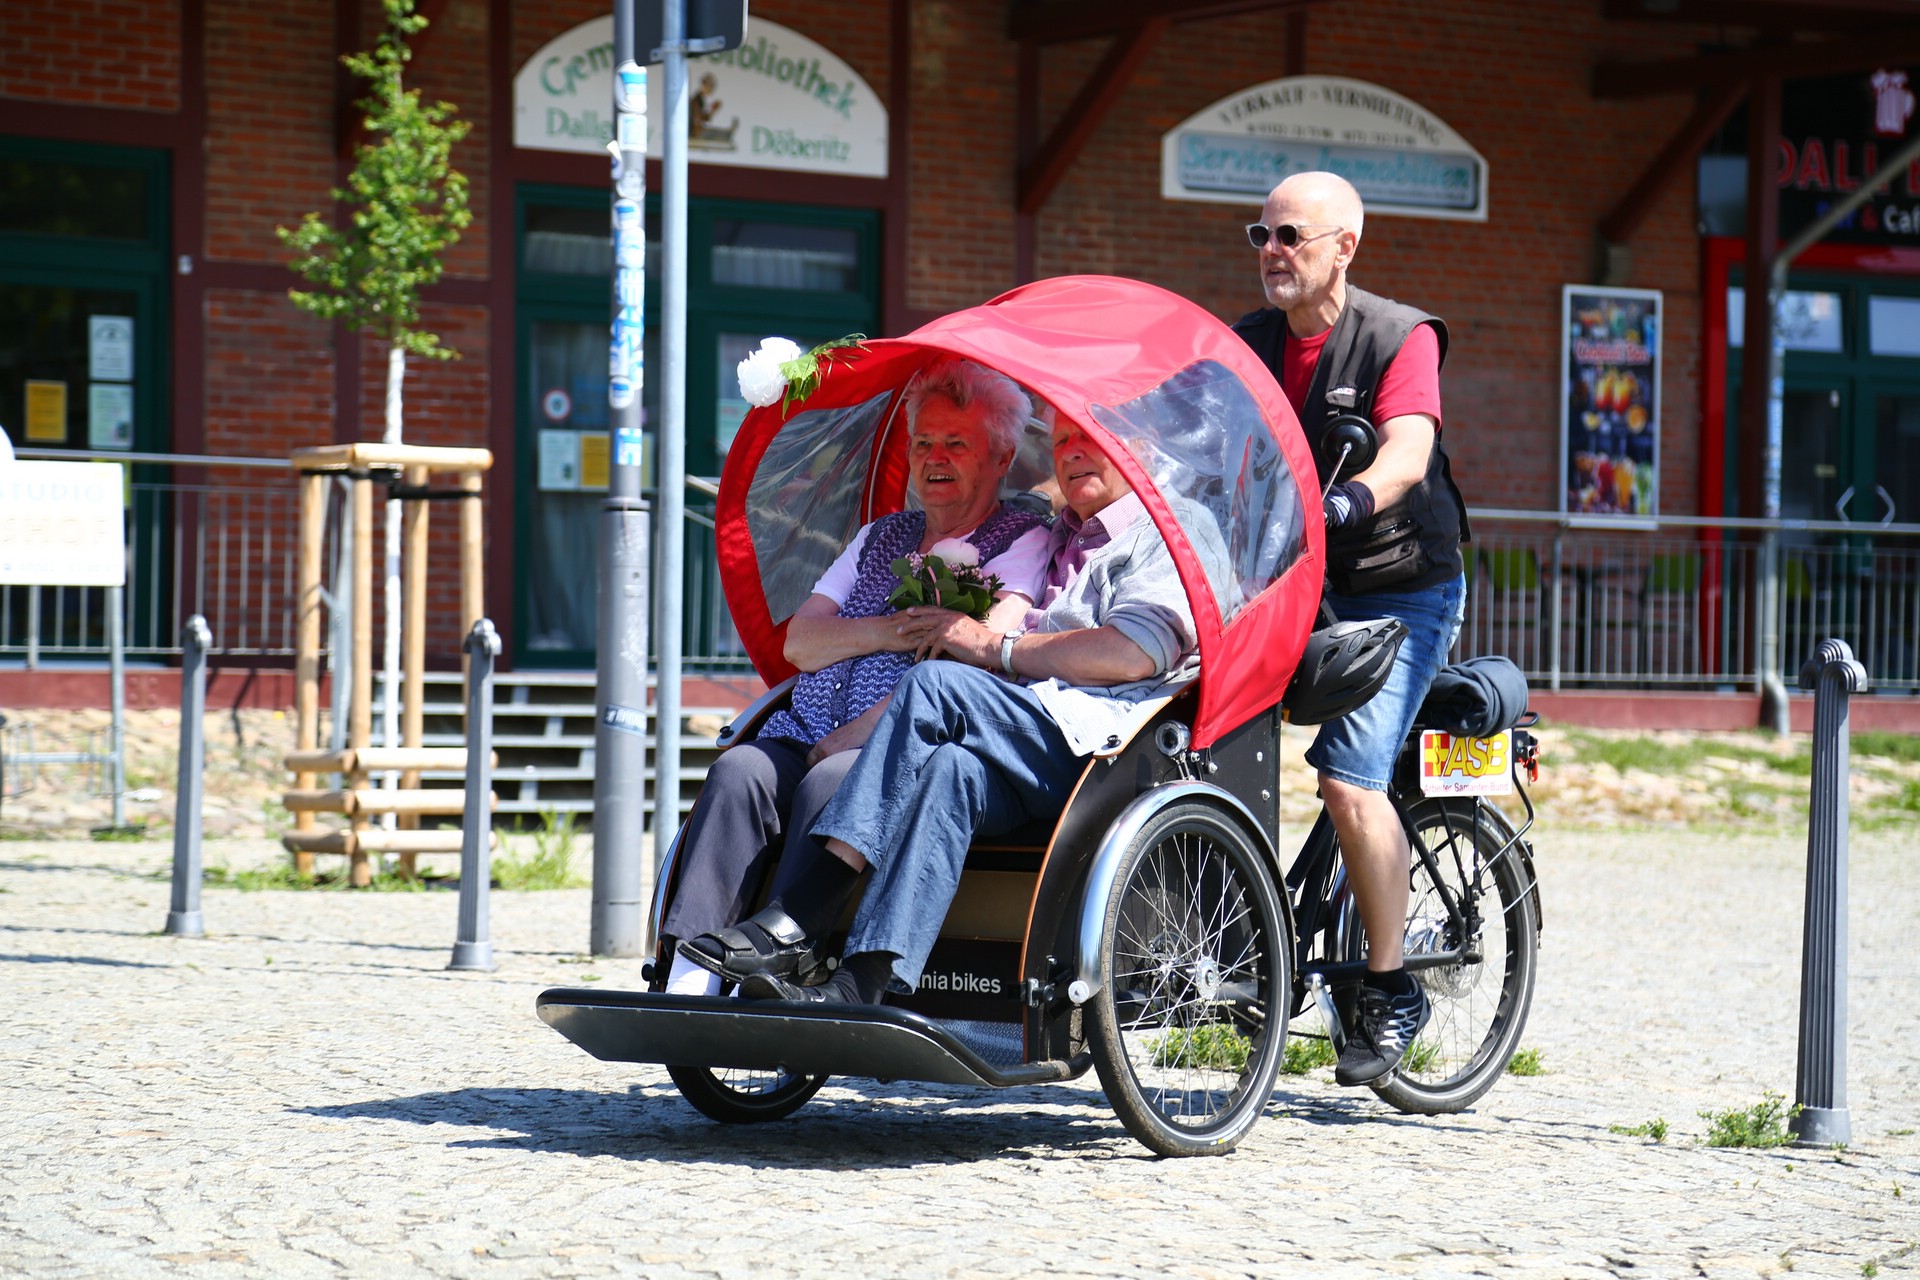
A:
(471, 947)
(1821, 1084)
(184, 921)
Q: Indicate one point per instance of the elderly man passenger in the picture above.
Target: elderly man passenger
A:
(999, 735)
(761, 797)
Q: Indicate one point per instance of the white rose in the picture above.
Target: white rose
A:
(761, 382)
(956, 551)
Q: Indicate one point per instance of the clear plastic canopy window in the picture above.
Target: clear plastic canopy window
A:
(803, 506)
(1200, 436)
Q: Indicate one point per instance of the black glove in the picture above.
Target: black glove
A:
(1347, 503)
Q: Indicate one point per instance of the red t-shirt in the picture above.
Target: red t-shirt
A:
(1411, 383)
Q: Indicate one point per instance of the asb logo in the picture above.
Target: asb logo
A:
(1452, 766)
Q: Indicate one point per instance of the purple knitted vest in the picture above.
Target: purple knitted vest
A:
(824, 700)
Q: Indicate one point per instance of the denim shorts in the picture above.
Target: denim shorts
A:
(1360, 747)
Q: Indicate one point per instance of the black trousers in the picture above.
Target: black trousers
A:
(758, 797)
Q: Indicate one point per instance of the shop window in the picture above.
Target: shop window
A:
(1893, 326)
(774, 255)
(45, 196)
(1810, 321)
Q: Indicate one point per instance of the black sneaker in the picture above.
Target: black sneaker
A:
(1384, 1029)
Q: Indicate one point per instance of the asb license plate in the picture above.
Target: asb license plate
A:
(1451, 766)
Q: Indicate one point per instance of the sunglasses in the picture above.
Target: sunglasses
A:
(1286, 235)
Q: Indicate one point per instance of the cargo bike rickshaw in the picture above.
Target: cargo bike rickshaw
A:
(1155, 932)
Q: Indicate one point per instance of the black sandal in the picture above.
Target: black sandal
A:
(768, 940)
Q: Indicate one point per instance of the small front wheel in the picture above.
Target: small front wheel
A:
(1191, 1016)
(743, 1095)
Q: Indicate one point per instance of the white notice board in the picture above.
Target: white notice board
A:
(62, 524)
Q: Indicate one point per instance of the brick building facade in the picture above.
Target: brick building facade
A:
(244, 105)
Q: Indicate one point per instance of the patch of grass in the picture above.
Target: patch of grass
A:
(1904, 747)
(282, 876)
(1869, 1269)
(133, 833)
(1526, 1062)
(1655, 1129)
(1625, 753)
(1760, 1125)
(1420, 1057)
(1214, 1047)
(550, 865)
(1307, 1053)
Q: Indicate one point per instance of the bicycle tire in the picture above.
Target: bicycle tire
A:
(1479, 1009)
(744, 1096)
(1190, 1019)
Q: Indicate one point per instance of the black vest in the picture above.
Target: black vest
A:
(1365, 339)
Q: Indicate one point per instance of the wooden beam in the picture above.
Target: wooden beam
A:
(1795, 60)
(1056, 21)
(1090, 106)
(1618, 226)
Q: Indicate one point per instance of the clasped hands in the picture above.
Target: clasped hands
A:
(932, 632)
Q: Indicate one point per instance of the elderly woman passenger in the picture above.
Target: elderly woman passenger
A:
(964, 424)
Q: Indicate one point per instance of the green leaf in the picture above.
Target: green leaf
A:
(403, 207)
(804, 372)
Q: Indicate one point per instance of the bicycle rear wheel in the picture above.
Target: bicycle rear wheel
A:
(1479, 1004)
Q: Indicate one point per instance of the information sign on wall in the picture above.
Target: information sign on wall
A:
(1402, 157)
(779, 101)
(1610, 410)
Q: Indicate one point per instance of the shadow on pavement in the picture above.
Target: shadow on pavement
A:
(94, 960)
(652, 1123)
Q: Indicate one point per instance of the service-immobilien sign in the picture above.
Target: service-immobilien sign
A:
(1402, 157)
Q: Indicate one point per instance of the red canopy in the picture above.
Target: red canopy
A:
(1182, 406)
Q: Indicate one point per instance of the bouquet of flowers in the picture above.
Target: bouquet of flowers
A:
(949, 576)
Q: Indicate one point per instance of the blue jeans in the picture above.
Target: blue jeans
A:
(1360, 747)
(958, 751)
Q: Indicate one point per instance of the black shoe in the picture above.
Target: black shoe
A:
(1384, 1029)
(770, 986)
(768, 941)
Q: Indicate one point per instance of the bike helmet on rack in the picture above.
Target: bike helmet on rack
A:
(1344, 665)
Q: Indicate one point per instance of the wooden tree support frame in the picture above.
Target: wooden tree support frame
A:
(410, 469)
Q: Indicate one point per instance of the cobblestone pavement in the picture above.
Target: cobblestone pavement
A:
(308, 1092)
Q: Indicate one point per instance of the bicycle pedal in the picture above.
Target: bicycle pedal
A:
(1323, 1000)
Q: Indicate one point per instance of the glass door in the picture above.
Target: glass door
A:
(83, 356)
(753, 271)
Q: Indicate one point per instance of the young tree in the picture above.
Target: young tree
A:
(404, 205)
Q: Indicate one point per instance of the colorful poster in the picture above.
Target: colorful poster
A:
(1610, 416)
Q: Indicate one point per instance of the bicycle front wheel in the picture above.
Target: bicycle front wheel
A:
(1480, 1000)
(1188, 1026)
(735, 1095)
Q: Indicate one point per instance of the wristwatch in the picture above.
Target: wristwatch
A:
(1006, 652)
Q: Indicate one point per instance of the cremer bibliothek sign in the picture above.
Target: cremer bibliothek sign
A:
(779, 101)
(1402, 157)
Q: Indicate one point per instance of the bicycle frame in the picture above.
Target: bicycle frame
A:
(1316, 884)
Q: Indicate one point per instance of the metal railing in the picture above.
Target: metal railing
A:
(1583, 606)
(1575, 604)
(222, 550)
